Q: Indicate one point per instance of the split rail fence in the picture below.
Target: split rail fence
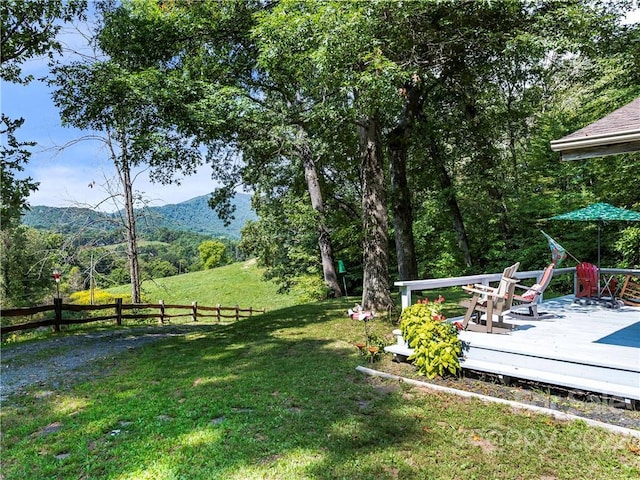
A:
(195, 312)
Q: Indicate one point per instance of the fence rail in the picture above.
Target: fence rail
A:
(195, 311)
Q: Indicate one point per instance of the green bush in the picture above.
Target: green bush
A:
(100, 297)
(310, 288)
(629, 246)
(435, 343)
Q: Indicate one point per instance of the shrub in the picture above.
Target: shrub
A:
(310, 288)
(100, 297)
(435, 343)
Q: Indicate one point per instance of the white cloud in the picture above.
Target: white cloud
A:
(88, 185)
(633, 16)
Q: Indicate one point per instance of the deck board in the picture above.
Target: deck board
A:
(580, 346)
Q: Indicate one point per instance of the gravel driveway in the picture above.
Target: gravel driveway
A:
(63, 360)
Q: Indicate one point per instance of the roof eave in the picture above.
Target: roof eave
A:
(626, 136)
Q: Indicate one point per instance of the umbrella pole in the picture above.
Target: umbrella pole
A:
(599, 227)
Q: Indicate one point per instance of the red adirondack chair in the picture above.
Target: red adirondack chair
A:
(587, 280)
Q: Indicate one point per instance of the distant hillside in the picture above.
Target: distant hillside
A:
(193, 215)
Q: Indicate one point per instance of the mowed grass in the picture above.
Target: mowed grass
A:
(236, 284)
(277, 396)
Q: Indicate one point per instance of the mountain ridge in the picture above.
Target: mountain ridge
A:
(193, 215)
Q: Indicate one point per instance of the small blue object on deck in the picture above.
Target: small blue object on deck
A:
(625, 337)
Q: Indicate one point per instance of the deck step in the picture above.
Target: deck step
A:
(553, 378)
(580, 383)
(401, 350)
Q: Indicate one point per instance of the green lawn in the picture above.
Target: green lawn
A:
(236, 284)
(277, 396)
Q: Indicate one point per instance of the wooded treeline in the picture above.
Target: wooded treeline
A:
(381, 133)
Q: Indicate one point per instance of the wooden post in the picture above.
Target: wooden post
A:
(161, 312)
(118, 311)
(251, 311)
(218, 312)
(237, 312)
(194, 311)
(57, 306)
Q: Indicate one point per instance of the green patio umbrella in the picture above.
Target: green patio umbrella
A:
(599, 212)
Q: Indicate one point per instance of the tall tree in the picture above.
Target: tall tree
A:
(15, 155)
(233, 99)
(103, 96)
(349, 71)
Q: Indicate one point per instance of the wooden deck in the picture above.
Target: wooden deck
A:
(589, 348)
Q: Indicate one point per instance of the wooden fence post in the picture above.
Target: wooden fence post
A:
(237, 312)
(118, 311)
(57, 306)
(161, 312)
(194, 311)
(218, 312)
(251, 311)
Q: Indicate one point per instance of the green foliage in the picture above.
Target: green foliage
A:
(13, 156)
(284, 239)
(310, 288)
(212, 253)
(100, 297)
(29, 29)
(157, 268)
(27, 260)
(628, 245)
(435, 343)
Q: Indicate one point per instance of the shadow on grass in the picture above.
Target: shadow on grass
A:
(273, 396)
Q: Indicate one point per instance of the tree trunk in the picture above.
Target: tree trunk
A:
(402, 210)
(402, 213)
(446, 186)
(317, 202)
(130, 227)
(375, 283)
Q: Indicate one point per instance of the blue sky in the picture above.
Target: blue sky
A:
(65, 176)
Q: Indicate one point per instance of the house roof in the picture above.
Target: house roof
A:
(618, 132)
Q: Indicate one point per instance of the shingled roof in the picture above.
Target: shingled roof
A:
(618, 132)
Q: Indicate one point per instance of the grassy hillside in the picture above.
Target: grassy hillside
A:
(236, 284)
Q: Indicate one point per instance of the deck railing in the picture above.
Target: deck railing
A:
(409, 286)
